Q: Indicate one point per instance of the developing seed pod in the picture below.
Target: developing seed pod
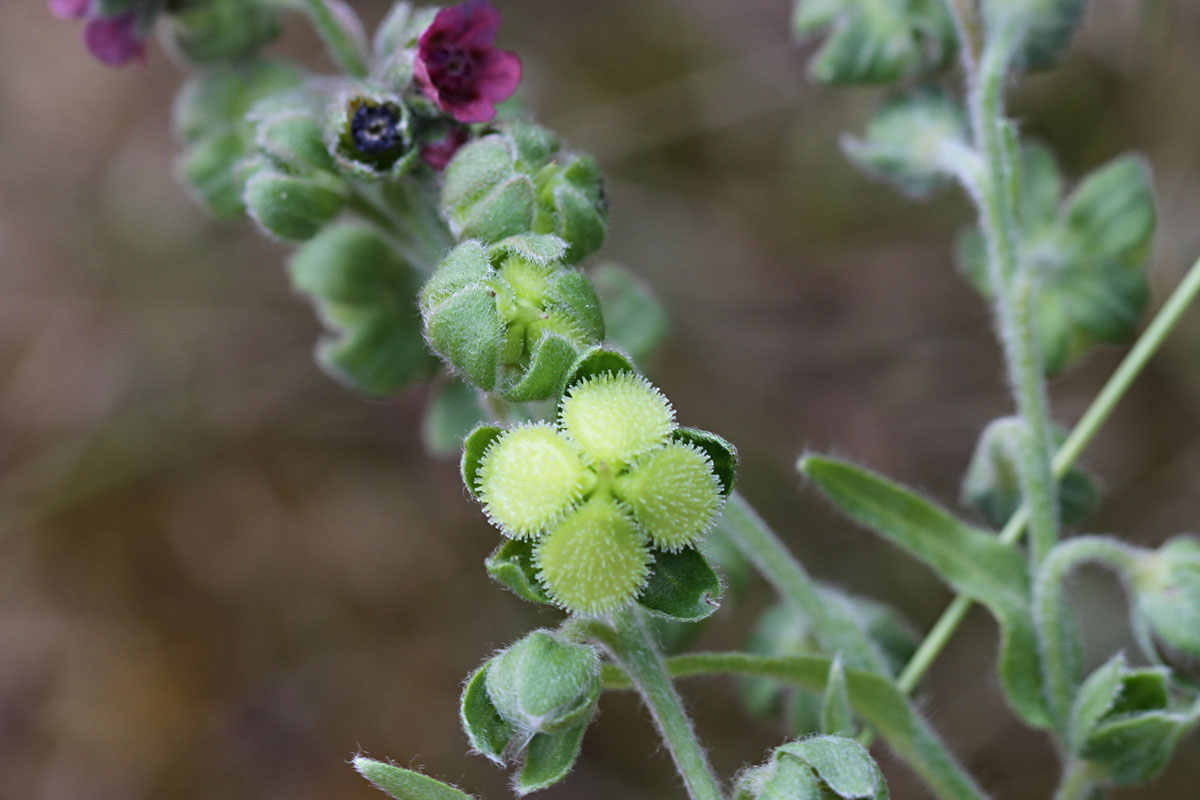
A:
(543, 683)
(509, 317)
(520, 180)
(610, 495)
(1166, 585)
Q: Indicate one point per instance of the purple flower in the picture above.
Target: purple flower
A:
(70, 9)
(438, 154)
(115, 40)
(458, 67)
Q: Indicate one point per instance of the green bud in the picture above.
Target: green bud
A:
(510, 317)
(543, 683)
(292, 140)
(908, 141)
(211, 118)
(819, 768)
(293, 207)
(873, 42)
(370, 135)
(212, 31)
(992, 483)
(1166, 586)
(520, 181)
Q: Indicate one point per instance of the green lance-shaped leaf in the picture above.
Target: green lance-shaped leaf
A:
(365, 293)
(633, 317)
(512, 565)
(210, 118)
(683, 586)
(873, 42)
(910, 140)
(835, 706)
(404, 784)
(219, 31)
(992, 481)
(971, 561)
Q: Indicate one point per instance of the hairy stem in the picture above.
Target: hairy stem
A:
(874, 698)
(341, 46)
(633, 648)
(1055, 624)
(1080, 437)
(833, 624)
(1078, 781)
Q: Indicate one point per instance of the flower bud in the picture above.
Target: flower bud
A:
(293, 207)
(543, 683)
(520, 180)
(212, 31)
(1166, 584)
(370, 136)
(819, 768)
(509, 317)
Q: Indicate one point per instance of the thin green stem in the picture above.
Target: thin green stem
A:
(1078, 781)
(340, 42)
(1054, 621)
(872, 696)
(1077, 441)
(633, 648)
(1014, 289)
(833, 624)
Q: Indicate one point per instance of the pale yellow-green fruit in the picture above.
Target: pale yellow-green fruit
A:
(616, 418)
(595, 560)
(674, 495)
(528, 478)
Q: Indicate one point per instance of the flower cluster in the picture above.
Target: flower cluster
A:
(598, 490)
(115, 38)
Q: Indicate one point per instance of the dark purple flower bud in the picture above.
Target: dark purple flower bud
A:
(375, 128)
(116, 40)
(438, 154)
(70, 9)
(460, 69)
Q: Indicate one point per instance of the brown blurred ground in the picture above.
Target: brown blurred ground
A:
(221, 575)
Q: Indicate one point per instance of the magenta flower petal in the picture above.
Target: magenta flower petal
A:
(439, 153)
(115, 40)
(457, 66)
(70, 9)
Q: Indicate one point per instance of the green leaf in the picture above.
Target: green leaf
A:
(550, 360)
(211, 170)
(1134, 749)
(633, 317)
(1112, 211)
(487, 731)
(452, 412)
(907, 140)
(835, 707)
(549, 758)
(722, 452)
(1095, 698)
(971, 561)
(844, 765)
(682, 586)
(216, 101)
(474, 446)
(598, 361)
(512, 565)
(404, 784)
(364, 292)
(293, 207)
(1046, 27)
(222, 30)
(873, 42)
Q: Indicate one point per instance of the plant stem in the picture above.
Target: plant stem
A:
(1056, 631)
(341, 44)
(1078, 781)
(634, 649)
(833, 624)
(1080, 437)
(874, 698)
(1014, 289)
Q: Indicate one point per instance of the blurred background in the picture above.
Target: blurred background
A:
(221, 575)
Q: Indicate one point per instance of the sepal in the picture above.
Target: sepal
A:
(216, 31)
(814, 769)
(512, 565)
(293, 207)
(1045, 27)
(683, 586)
(1166, 589)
